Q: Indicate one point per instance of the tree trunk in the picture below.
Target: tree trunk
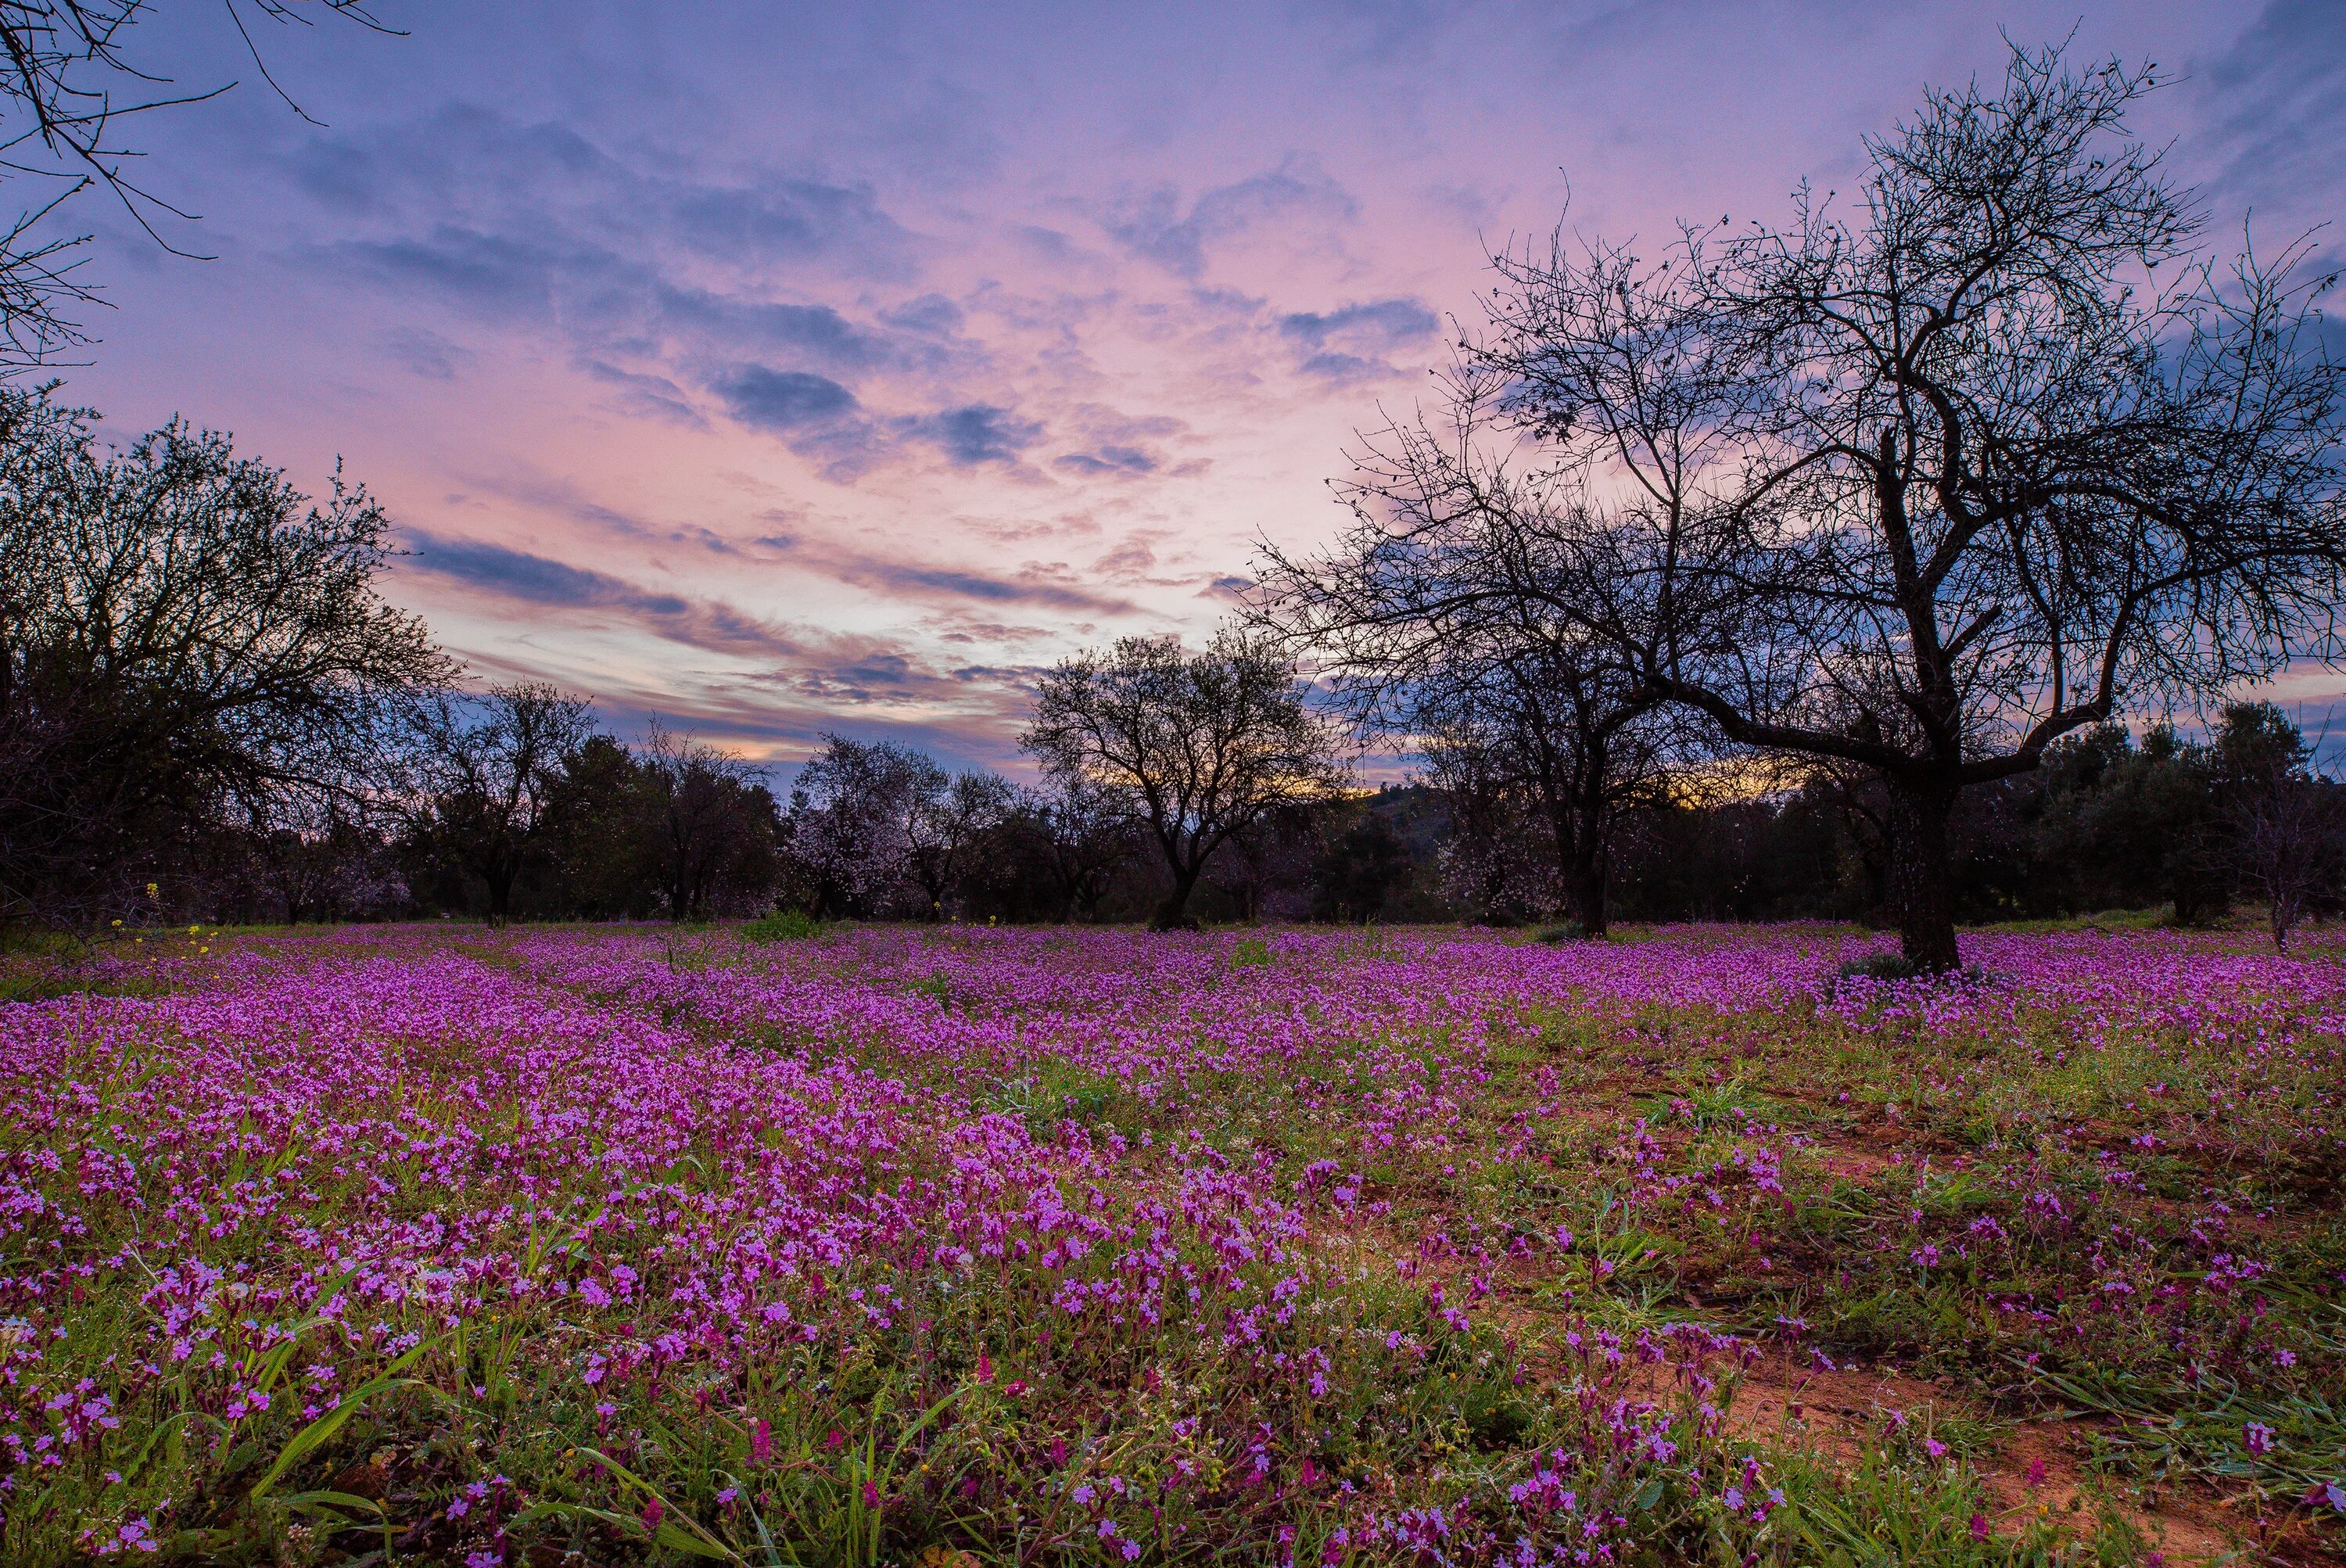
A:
(1588, 892)
(1922, 875)
(1589, 865)
(1173, 913)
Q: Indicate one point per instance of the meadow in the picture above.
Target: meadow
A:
(960, 1247)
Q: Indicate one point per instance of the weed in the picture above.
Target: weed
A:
(782, 926)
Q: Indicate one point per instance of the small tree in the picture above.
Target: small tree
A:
(1357, 868)
(489, 774)
(597, 833)
(1433, 622)
(1572, 740)
(851, 822)
(1200, 747)
(1088, 834)
(1490, 864)
(945, 822)
(712, 825)
(2285, 826)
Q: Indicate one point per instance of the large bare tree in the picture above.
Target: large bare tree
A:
(1922, 482)
(182, 635)
(1200, 746)
(71, 83)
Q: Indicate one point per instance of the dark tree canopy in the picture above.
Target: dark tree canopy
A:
(709, 825)
(1200, 747)
(181, 632)
(489, 775)
(1086, 833)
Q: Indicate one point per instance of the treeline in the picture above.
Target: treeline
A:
(1814, 569)
(207, 711)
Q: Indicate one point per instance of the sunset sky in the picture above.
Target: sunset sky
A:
(780, 368)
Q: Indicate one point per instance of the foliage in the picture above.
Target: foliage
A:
(487, 777)
(1200, 748)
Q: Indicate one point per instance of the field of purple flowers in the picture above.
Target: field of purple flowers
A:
(960, 1247)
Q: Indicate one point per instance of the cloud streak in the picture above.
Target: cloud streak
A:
(522, 577)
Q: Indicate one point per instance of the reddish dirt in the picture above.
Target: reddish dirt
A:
(1834, 1413)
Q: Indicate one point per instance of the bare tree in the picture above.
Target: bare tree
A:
(946, 818)
(2284, 825)
(1201, 746)
(1089, 833)
(2287, 832)
(1490, 860)
(1925, 487)
(1577, 744)
(1436, 619)
(488, 772)
(185, 635)
(67, 85)
(323, 862)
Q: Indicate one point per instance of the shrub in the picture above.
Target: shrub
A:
(1880, 966)
(782, 926)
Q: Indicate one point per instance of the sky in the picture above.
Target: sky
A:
(782, 369)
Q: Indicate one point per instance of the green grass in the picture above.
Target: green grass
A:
(782, 926)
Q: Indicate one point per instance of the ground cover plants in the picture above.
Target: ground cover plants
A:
(959, 1246)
